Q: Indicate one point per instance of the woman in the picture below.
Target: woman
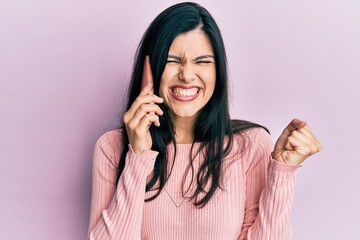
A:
(179, 168)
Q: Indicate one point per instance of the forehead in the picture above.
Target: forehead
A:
(193, 43)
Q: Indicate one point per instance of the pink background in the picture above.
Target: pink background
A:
(64, 66)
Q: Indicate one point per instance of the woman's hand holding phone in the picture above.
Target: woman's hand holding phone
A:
(142, 113)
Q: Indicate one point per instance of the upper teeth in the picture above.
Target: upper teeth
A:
(185, 92)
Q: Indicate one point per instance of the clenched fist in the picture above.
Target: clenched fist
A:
(296, 143)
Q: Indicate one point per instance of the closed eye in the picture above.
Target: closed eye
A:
(172, 61)
(203, 62)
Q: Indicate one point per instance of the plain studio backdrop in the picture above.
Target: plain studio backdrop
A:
(65, 65)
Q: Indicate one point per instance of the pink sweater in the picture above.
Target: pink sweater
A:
(256, 201)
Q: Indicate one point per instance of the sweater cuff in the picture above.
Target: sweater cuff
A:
(146, 159)
(138, 167)
(282, 167)
(281, 174)
(147, 154)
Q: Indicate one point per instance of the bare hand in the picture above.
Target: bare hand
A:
(296, 143)
(138, 119)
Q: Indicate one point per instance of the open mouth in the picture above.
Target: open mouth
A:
(181, 92)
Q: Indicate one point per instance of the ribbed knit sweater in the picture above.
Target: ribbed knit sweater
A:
(255, 202)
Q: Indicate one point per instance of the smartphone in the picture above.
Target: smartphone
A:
(147, 74)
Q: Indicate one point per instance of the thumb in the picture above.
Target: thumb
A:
(283, 142)
(293, 125)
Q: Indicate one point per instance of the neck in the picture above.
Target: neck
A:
(184, 130)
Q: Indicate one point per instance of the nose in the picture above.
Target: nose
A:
(187, 72)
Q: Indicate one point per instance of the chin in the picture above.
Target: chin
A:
(185, 113)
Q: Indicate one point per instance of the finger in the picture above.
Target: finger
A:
(147, 120)
(282, 141)
(299, 135)
(148, 99)
(299, 146)
(295, 133)
(157, 122)
(143, 100)
(293, 125)
(307, 131)
(141, 112)
(145, 109)
(141, 129)
(313, 144)
(288, 145)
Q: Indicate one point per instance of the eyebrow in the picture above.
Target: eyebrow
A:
(204, 56)
(196, 59)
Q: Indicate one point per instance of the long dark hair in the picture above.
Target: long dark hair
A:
(213, 123)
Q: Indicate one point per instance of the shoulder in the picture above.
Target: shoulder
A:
(110, 139)
(259, 137)
(252, 144)
(250, 132)
(110, 145)
(253, 138)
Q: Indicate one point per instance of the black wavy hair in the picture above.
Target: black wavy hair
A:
(213, 123)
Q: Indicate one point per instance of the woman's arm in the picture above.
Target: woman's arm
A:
(116, 211)
(268, 217)
(269, 194)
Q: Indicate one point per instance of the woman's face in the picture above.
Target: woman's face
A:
(189, 77)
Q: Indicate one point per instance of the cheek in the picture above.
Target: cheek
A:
(210, 81)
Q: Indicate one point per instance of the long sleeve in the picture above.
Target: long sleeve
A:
(269, 195)
(116, 211)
